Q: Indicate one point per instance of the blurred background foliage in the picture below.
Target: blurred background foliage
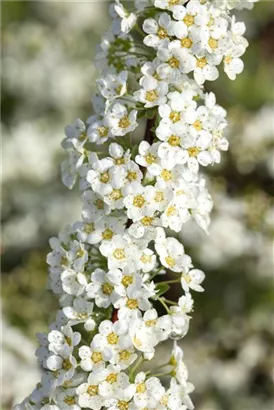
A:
(48, 77)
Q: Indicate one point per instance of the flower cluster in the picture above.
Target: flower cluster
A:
(105, 268)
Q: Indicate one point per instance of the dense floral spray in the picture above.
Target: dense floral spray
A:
(112, 269)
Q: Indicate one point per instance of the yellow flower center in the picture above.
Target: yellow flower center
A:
(122, 405)
(96, 357)
(198, 125)
(119, 89)
(120, 161)
(124, 122)
(103, 131)
(139, 201)
(175, 116)
(172, 361)
(70, 400)
(137, 342)
(127, 280)
(82, 136)
(146, 221)
(166, 175)
(174, 140)
(186, 277)
(171, 211)
(111, 378)
(201, 62)
(170, 261)
(68, 340)
(193, 152)
(141, 388)
(132, 303)
(151, 323)
(213, 43)
(162, 33)
(99, 203)
(112, 338)
(151, 96)
(145, 258)
(186, 42)
(227, 59)
(189, 20)
(92, 390)
(211, 22)
(107, 234)
(159, 197)
(174, 62)
(132, 176)
(164, 400)
(104, 177)
(124, 355)
(116, 194)
(107, 289)
(173, 2)
(150, 159)
(66, 365)
(119, 254)
(80, 253)
(89, 228)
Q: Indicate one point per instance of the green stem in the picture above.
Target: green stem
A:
(132, 372)
(170, 302)
(160, 374)
(170, 281)
(164, 304)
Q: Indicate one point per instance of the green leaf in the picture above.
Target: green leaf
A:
(162, 288)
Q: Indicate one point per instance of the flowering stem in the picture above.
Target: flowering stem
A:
(138, 363)
(161, 300)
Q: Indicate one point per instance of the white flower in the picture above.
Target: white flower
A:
(179, 318)
(101, 289)
(128, 19)
(192, 280)
(171, 252)
(148, 391)
(94, 206)
(179, 367)
(148, 156)
(152, 93)
(63, 365)
(79, 312)
(103, 230)
(233, 65)
(158, 31)
(89, 396)
(94, 356)
(136, 299)
(73, 283)
(115, 380)
(67, 399)
(70, 168)
(205, 69)
(114, 336)
(175, 61)
(64, 340)
(113, 86)
(137, 202)
(76, 135)
(120, 252)
(168, 4)
(100, 176)
(149, 330)
(122, 120)
(122, 399)
(99, 129)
